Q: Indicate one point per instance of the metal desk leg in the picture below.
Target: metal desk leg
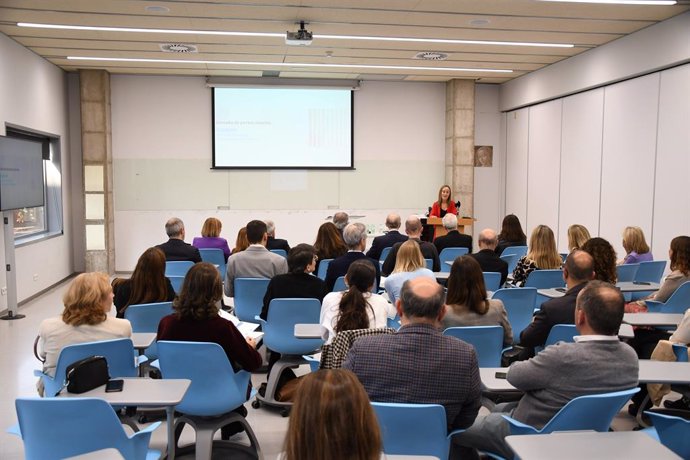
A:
(170, 412)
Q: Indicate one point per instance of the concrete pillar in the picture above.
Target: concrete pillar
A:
(94, 86)
(460, 144)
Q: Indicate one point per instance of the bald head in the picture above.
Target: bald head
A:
(421, 298)
(579, 268)
(488, 239)
(413, 226)
(393, 221)
(599, 309)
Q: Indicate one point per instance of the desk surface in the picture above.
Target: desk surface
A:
(308, 331)
(626, 286)
(664, 371)
(652, 319)
(491, 383)
(143, 340)
(140, 392)
(590, 445)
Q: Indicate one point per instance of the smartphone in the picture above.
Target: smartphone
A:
(501, 375)
(560, 289)
(114, 385)
(643, 283)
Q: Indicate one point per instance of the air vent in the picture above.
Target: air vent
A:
(431, 56)
(178, 48)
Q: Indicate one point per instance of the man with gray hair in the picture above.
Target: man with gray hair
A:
(487, 257)
(391, 237)
(418, 364)
(453, 239)
(273, 242)
(340, 220)
(175, 249)
(355, 237)
(413, 228)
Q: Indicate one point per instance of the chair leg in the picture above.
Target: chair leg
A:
(204, 444)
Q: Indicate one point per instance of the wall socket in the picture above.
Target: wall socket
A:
(3, 291)
(35, 276)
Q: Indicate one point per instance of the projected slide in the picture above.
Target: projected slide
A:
(282, 128)
(21, 174)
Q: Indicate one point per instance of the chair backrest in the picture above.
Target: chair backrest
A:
(519, 305)
(651, 272)
(449, 255)
(53, 428)
(215, 389)
(486, 340)
(249, 297)
(561, 333)
(178, 268)
(681, 352)
(545, 279)
(413, 429)
(677, 303)
(384, 253)
(145, 317)
(339, 284)
(511, 260)
(176, 282)
(519, 251)
(279, 328)
(674, 432)
(492, 280)
(323, 268)
(626, 272)
(119, 353)
(429, 263)
(214, 256)
(280, 252)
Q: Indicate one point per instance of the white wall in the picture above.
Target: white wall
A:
(161, 128)
(33, 94)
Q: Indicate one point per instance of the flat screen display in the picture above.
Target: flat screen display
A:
(21, 174)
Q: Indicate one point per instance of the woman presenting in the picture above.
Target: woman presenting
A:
(444, 205)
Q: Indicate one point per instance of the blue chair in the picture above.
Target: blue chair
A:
(118, 352)
(215, 392)
(214, 256)
(280, 252)
(561, 333)
(323, 268)
(544, 279)
(249, 297)
(564, 255)
(673, 432)
(589, 412)
(55, 428)
(145, 318)
(177, 268)
(384, 254)
(626, 272)
(486, 340)
(518, 252)
(492, 280)
(394, 323)
(176, 282)
(677, 303)
(449, 255)
(519, 304)
(414, 429)
(511, 260)
(648, 272)
(429, 263)
(340, 285)
(279, 336)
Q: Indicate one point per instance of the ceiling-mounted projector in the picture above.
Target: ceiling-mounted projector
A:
(300, 38)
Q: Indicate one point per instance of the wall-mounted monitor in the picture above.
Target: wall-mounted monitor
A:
(21, 174)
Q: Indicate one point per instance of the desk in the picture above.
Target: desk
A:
(491, 383)
(308, 331)
(670, 372)
(144, 392)
(441, 275)
(590, 445)
(625, 286)
(652, 319)
(143, 340)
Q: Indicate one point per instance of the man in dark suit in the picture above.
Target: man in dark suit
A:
(578, 269)
(391, 237)
(175, 249)
(273, 242)
(355, 236)
(453, 239)
(418, 364)
(413, 228)
(487, 258)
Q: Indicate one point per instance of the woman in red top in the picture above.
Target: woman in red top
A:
(445, 203)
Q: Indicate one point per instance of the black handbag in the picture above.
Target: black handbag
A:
(86, 374)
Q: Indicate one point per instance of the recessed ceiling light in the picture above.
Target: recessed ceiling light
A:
(178, 48)
(431, 56)
(479, 22)
(157, 9)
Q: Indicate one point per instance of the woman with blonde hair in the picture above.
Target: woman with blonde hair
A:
(242, 242)
(636, 247)
(210, 237)
(84, 319)
(409, 264)
(577, 236)
(542, 255)
(333, 419)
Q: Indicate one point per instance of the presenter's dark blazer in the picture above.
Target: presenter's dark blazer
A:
(277, 243)
(454, 239)
(385, 241)
(338, 267)
(490, 262)
(176, 250)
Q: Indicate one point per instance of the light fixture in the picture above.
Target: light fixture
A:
(286, 64)
(620, 2)
(315, 36)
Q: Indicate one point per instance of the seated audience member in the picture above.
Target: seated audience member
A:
(254, 262)
(241, 242)
(409, 264)
(196, 319)
(636, 247)
(418, 364)
(604, 259)
(332, 419)
(680, 336)
(175, 249)
(147, 284)
(577, 236)
(577, 272)
(511, 234)
(453, 239)
(355, 237)
(84, 319)
(210, 237)
(597, 362)
(329, 243)
(413, 228)
(542, 255)
(487, 257)
(356, 308)
(466, 301)
(273, 242)
(341, 220)
(391, 237)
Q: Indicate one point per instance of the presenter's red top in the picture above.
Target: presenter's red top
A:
(438, 212)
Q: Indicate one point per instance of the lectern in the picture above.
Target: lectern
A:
(440, 230)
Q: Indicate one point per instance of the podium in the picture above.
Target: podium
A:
(440, 230)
